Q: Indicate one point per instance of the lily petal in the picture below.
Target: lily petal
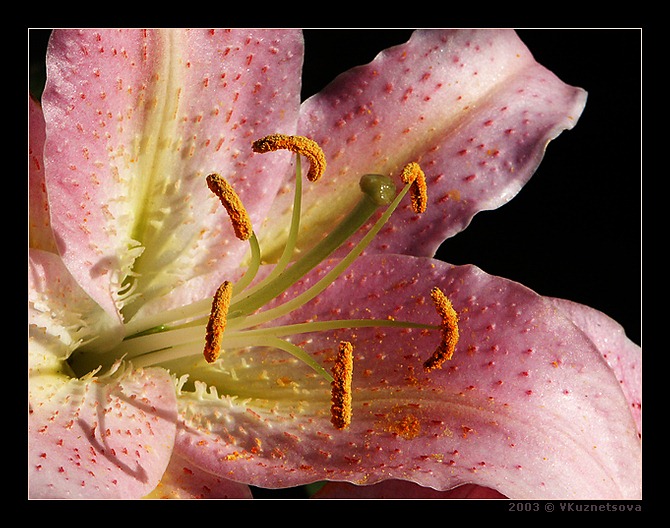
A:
(39, 227)
(108, 438)
(527, 406)
(64, 312)
(622, 355)
(182, 480)
(135, 121)
(472, 107)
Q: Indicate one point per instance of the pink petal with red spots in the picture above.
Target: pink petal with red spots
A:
(397, 489)
(135, 122)
(472, 107)
(622, 355)
(39, 228)
(527, 406)
(183, 480)
(101, 438)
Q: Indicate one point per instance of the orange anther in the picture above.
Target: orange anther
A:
(233, 205)
(413, 174)
(298, 144)
(217, 322)
(341, 386)
(448, 329)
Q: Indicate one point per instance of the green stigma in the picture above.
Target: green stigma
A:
(378, 188)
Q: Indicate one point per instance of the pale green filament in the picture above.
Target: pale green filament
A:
(149, 343)
(185, 350)
(158, 322)
(253, 268)
(291, 241)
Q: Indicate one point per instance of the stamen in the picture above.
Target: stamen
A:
(231, 201)
(413, 174)
(217, 322)
(298, 144)
(343, 369)
(448, 328)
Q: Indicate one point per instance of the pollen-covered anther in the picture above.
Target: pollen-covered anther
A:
(343, 369)
(413, 174)
(448, 329)
(217, 322)
(233, 205)
(299, 145)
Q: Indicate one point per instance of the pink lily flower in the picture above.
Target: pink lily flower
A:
(310, 363)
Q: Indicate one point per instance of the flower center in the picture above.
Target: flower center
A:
(238, 316)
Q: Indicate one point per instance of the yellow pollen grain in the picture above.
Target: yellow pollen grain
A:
(343, 370)
(448, 329)
(217, 322)
(413, 174)
(233, 205)
(299, 145)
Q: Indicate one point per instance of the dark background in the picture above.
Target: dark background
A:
(574, 231)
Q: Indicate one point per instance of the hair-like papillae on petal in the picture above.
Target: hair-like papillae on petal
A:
(135, 120)
(60, 311)
(472, 107)
(100, 438)
(527, 406)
